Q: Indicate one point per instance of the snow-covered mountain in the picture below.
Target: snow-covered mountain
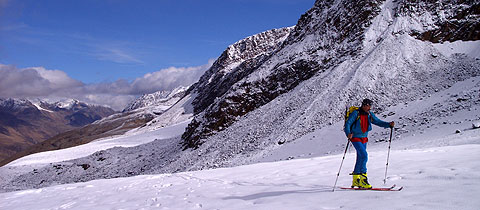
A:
(344, 51)
(281, 95)
(235, 63)
(24, 123)
(160, 101)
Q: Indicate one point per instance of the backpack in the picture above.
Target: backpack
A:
(348, 111)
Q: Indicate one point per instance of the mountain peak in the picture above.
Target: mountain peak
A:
(158, 101)
(15, 104)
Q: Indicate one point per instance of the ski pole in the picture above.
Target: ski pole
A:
(338, 174)
(388, 156)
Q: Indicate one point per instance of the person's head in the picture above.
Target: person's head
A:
(366, 104)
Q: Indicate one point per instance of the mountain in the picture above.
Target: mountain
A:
(284, 91)
(344, 51)
(23, 123)
(160, 101)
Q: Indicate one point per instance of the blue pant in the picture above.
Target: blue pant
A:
(362, 157)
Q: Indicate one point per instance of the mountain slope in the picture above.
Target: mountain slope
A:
(160, 101)
(341, 38)
(343, 52)
(325, 32)
(425, 123)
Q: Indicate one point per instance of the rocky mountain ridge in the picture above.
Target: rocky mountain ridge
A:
(323, 37)
(235, 63)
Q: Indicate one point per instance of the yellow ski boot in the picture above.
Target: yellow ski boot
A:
(364, 181)
(360, 181)
(356, 180)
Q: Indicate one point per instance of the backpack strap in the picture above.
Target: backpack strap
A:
(355, 121)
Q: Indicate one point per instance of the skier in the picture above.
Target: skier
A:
(358, 124)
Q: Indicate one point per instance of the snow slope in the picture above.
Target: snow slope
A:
(433, 178)
(425, 122)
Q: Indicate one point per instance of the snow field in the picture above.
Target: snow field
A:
(433, 178)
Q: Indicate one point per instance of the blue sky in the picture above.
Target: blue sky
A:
(110, 41)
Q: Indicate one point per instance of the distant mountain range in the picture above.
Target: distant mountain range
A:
(24, 123)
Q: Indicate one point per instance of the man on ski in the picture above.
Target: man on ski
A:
(357, 126)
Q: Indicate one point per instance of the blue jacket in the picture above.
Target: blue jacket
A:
(356, 128)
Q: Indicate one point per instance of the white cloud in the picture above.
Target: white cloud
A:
(58, 79)
(41, 83)
(170, 78)
(32, 82)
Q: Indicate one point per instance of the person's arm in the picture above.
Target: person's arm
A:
(348, 124)
(381, 123)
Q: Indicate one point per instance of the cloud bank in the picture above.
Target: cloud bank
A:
(54, 85)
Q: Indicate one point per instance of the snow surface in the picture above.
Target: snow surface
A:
(180, 112)
(67, 103)
(433, 178)
(470, 48)
(40, 108)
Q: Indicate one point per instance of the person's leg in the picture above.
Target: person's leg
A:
(363, 169)
(362, 158)
(361, 166)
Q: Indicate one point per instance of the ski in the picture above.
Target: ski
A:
(392, 188)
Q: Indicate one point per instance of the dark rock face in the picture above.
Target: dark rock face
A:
(454, 19)
(248, 54)
(232, 95)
